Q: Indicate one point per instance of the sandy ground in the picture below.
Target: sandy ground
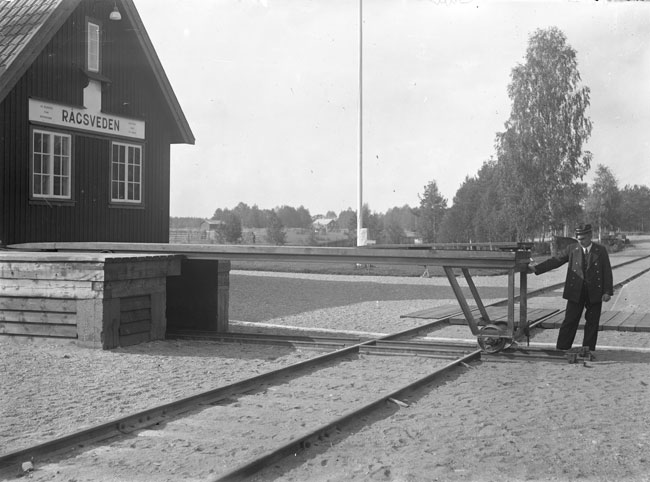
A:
(494, 421)
(500, 421)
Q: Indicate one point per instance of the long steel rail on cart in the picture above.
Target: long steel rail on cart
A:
(491, 337)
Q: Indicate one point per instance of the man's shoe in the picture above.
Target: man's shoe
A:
(571, 356)
(586, 354)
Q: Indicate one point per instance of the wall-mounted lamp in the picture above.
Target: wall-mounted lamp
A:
(115, 14)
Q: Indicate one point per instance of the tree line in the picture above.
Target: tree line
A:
(532, 187)
(475, 216)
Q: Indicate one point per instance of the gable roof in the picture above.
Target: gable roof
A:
(323, 221)
(213, 222)
(26, 27)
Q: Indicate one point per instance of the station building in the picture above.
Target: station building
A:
(87, 117)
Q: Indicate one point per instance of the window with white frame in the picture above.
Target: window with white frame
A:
(51, 165)
(126, 169)
(93, 47)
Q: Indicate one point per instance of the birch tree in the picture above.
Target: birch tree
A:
(541, 148)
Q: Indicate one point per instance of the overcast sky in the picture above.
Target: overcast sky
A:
(271, 91)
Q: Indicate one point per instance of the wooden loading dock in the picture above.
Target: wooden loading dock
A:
(102, 300)
(204, 274)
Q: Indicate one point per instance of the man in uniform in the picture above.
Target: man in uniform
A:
(589, 282)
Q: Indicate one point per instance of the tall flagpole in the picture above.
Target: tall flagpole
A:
(360, 173)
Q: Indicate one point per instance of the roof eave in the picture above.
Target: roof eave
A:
(185, 135)
(12, 73)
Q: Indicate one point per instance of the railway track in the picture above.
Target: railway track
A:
(260, 394)
(163, 414)
(329, 391)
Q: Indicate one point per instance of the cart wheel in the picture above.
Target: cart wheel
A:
(490, 340)
(503, 326)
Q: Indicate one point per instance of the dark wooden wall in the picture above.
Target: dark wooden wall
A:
(57, 75)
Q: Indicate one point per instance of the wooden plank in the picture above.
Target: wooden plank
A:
(433, 313)
(223, 296)
(155, 268)
(548, 312)
(135, 316)
(495, 313)
(90, 258)
(52, 271)
(38, 304)
(536, 314)
(607, 315)
(38, 329)
(224, 268)
(49, 289)
(643, 324)
(554, 321)
(89, 322)
(135, 339)
(135, 303)
(223, 303)
(38, 317)
(630, 322)
(84, 256)
(613, 323)
(136, 287)
(132, 328)
(159, 316)
(111, 323)
(500, 314)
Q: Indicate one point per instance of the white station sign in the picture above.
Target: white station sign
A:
(85, 120)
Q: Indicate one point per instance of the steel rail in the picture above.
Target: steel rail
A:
(456, 259)
(154, 415)
(249, 468)
(413, 348)
(374, 346)
(507, 246)
(324, 343)
(518, 353)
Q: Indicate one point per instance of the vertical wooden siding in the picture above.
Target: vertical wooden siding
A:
(57, 76)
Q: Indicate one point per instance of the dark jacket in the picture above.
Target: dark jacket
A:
(598, 275)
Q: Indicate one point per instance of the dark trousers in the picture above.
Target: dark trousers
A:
(572, 319)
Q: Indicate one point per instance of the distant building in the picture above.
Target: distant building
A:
(412, 237)
(87, 117)
(324, 224)
(210, 229)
